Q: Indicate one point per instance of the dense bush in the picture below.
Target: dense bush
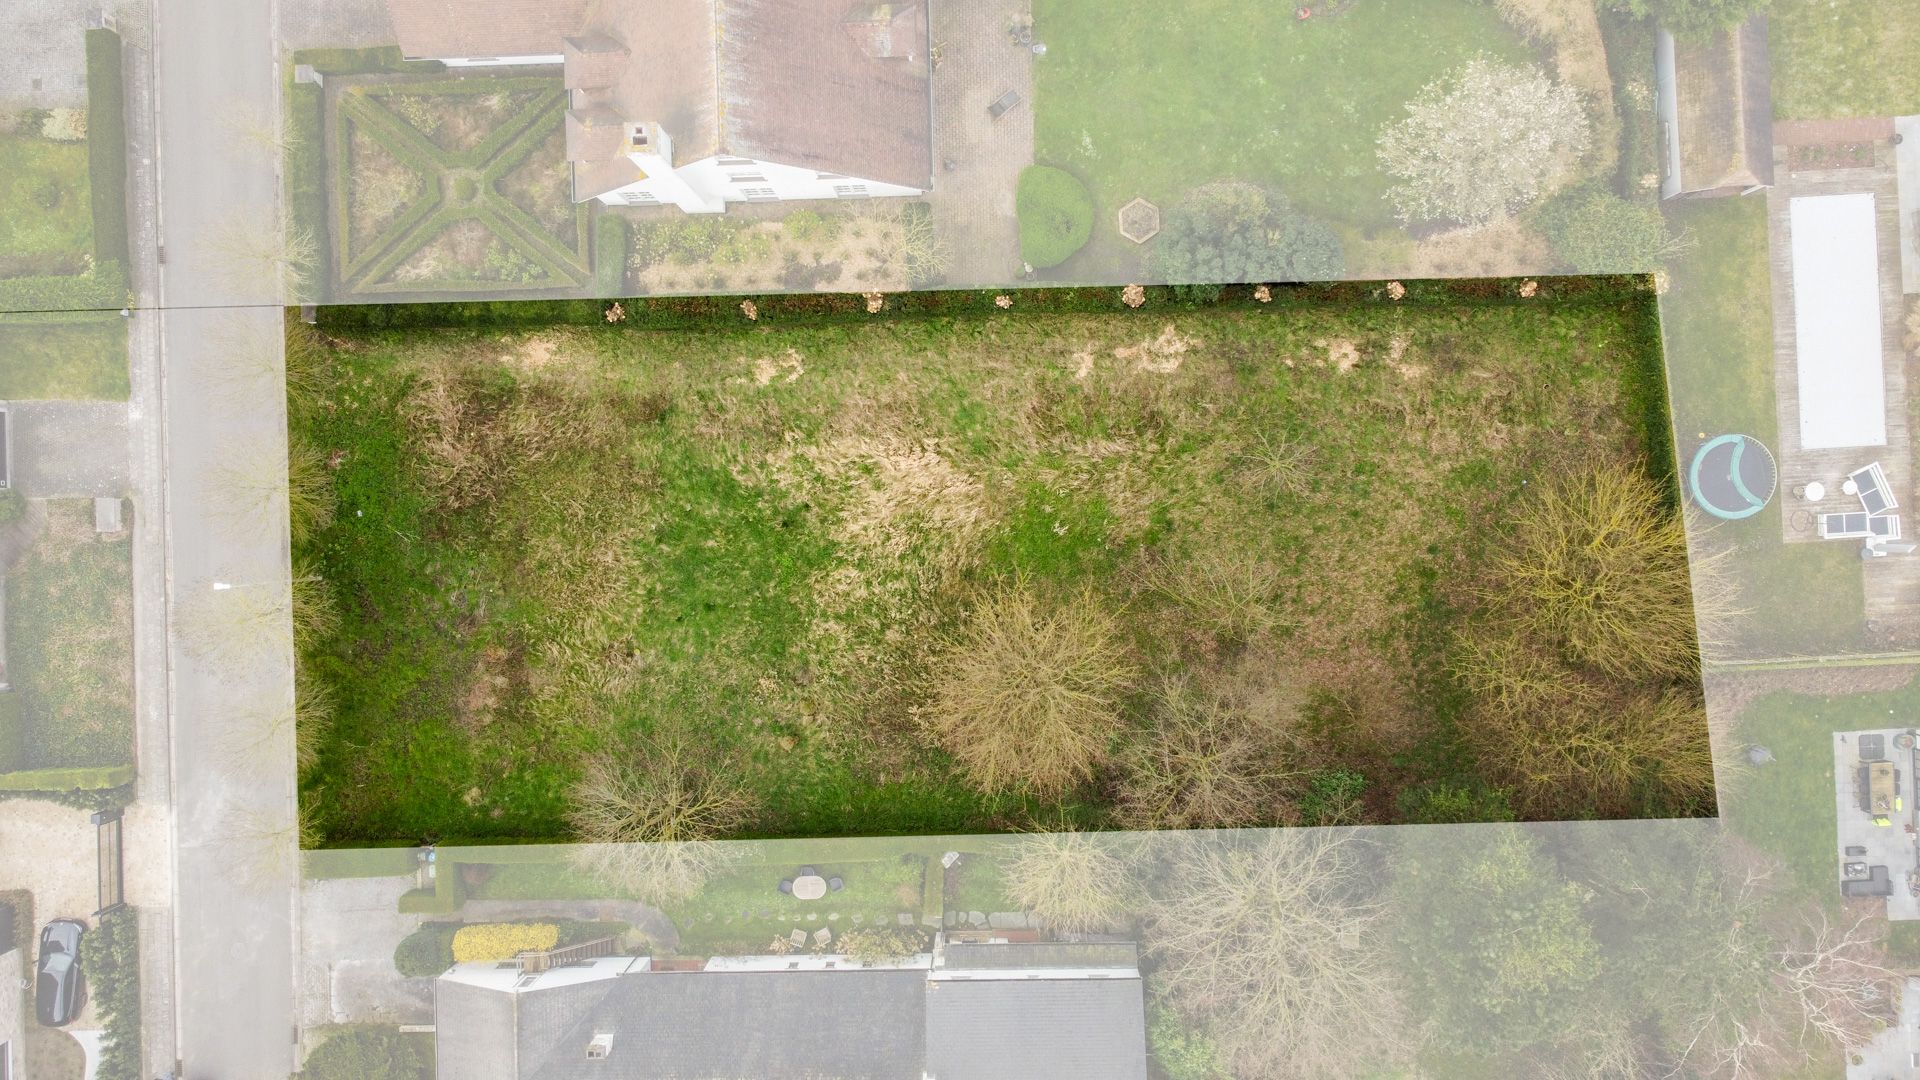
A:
(368, 1053)
(1241, 233)
(107, 148)
(110, 958)
(87, 778)
(1056, 215)
(1486, 141)
(102, 288)
(427, 951)
(1598, 232)
(880, 944)
(502, 941)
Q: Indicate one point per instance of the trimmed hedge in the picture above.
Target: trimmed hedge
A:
(13, 732)
(107, 149)
(426, 952)
(307, 182)
(110, 958)
(611, 242)
(104, 287)
(383, 59)
(370, 1052)
(704, 312)
(444, 898)
(75, 778)
(1056, 215)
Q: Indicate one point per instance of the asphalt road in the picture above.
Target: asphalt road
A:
(236, 858)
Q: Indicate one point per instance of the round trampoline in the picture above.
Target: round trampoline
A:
(1732, 477)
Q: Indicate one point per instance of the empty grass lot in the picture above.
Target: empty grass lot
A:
(70, 642)
(553, 545)
(82, 357)
(46, 220)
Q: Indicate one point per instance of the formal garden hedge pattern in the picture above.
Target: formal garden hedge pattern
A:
(447, 185)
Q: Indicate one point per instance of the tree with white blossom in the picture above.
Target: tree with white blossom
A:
(1484, 142)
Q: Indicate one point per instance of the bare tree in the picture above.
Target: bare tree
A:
(1263, 941)
(1205, 764)
(650, 819)
(251, 255)
(658, 873)
(1075, 881)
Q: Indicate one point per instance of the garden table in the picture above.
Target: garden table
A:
(809, 887)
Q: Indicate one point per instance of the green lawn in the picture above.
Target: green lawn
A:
(1834, 59)
(552, 543)
(79, 358)
(46, 218)
(70, 642)
(741, 911)
(1719, 338)
(1787, 807)
(1155, 99)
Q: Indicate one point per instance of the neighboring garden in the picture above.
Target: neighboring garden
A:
(1487, 150)
(884, 245)
(827, 574)
(1837, 60)
(68, 721)
(433, 185)
(63, 241)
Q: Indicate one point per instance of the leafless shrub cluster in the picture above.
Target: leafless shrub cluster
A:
(1583, 654)
(1261, 937)
(1206, 763)
(1228, 593)
(1026, 695)
(1075, 881)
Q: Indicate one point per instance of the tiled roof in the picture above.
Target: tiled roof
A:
(443, 29)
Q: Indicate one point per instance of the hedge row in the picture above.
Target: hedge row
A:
(612, 241)
(444, 898)
(696, 312)
(307, 182)
(384, 59)
(103, 287)
(70, 778)
(107, 148)
(13, 732)
(110, 956)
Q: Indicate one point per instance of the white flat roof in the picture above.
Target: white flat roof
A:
(1836, 319)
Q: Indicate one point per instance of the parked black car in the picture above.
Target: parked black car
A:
(56, 990)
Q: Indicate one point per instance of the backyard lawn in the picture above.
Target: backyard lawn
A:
(1834, 60)
(82, 357)
(574, 545)
(1719, 338)
(46, 220)
(1155, 100)
(70, 642)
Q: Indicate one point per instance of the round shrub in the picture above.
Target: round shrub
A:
(367, 1052)
(1601, 233)
(1056, 215)
(426, 952)
(1231, 232)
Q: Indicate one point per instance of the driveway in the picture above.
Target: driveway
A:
(977, 159)
(69, 448)
(349, 928)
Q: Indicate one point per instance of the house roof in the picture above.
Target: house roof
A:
(1003, 956)
(442, 29)
(1062, 1029)
(849, 1025)
(837, 86)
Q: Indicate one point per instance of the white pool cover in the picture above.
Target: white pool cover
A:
(1836, 318)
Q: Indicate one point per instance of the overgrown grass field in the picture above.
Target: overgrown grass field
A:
(770, 544)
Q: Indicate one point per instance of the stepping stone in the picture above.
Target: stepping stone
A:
(765, 914)
(858, 918)
(931, 920)
(833, 916)
(1007, 920)
(904, 919)
(953, 918)
(977, 918)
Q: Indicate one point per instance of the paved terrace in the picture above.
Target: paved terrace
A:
(1892, 585)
